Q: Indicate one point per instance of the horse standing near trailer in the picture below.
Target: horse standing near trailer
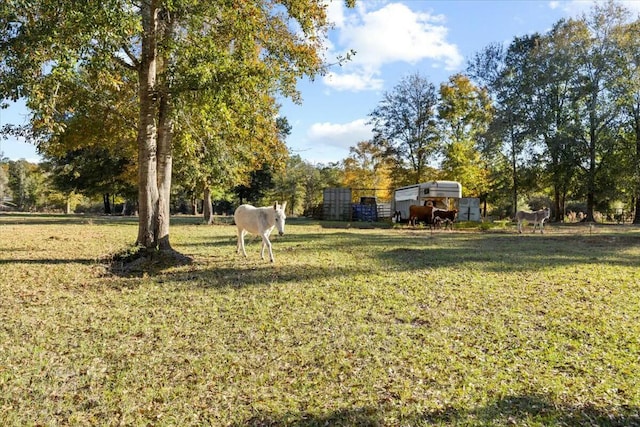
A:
(259, 221)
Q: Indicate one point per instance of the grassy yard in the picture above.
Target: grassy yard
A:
(365, 327)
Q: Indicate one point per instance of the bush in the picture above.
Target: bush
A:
(538, 202)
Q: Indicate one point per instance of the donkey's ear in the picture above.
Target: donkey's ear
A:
(284, 205)
(275, 205)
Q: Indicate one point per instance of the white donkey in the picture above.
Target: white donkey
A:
(260, 221)
(537, 217)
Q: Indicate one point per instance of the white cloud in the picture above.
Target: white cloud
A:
(393, 33)
(343, 135)
(335, 13)
(396, 33)
(632, 5)
(352, 81)
(576, 7)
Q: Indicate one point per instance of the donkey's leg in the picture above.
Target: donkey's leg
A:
(520, 227)
(539, 224)
(241, 234)
(266, 243)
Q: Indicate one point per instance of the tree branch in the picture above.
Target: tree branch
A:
(134, 61)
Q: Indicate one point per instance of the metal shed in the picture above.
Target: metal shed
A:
(443, 195)
(469, 209)
(336, 204)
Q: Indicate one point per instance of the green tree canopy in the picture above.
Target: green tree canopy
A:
(405, 119)
(465, 112)
(174, 53)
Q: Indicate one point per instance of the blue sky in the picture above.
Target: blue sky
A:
(392, 39)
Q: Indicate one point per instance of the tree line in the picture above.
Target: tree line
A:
(553, 116)
(73, 187)
(567, 110)
(162, 104)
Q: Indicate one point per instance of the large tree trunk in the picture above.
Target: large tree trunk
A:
(557, 202)
(194, 205)
(165, 163)
(147, 131)
(165, 140)
(207, 210)
(107, 204)
(514, 165)
(514, 171)
(155, 133)
(591, 171)
(636, 217)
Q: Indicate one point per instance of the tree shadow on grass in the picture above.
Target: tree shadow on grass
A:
(500, 253)
(166, 266)
(137, 261)
(19, 218)
(527, 409)
(361, 417)
(510, 410)
(48, 261)
(406, 251)
(258, 275)
(134, 262)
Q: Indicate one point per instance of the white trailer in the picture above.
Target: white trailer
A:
(442, 194)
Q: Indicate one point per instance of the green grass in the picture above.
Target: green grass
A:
(351, 326)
